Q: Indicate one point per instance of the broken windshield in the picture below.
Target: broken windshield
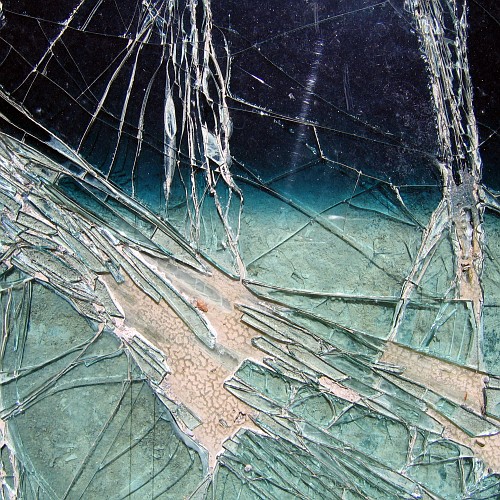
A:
(248, 251)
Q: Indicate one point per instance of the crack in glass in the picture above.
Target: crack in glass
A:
(246, 252)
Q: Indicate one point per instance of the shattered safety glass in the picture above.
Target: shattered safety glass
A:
(250, 249)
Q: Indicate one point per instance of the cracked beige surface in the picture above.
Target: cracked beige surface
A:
(198, 373)
(461, 385)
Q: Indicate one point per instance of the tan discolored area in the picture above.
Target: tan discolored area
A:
(197, 372)
(485, 448)
(339, 390)
(461, 385)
